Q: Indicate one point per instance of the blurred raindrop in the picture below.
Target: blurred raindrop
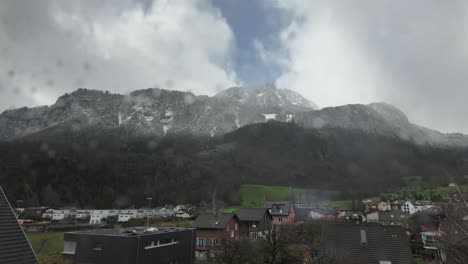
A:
(189, 99)
(51, 154)
(87, 66)
(59, 63)
(44, 147)
(152, 145)
(33, 89)
(93, 144)
(50, 83)
(169, 84)
(11, 73)
(16, 90)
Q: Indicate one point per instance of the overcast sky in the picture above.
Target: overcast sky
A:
(413, 54)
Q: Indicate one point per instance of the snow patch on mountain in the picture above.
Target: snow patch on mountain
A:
(269, 116)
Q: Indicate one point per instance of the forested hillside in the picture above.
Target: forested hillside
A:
(110, 169)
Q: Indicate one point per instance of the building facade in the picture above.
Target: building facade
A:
(138, 245)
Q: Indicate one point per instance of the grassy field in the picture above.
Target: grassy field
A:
(341, 203)
(217, 150)
(53, 241)
(254, 195)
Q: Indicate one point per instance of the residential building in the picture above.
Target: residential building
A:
(282, 212)
(304, 214)
(58, 215)
(254, 222)
(213, 229)
(138, 245)
(182, 214)
(408, 207)
(397, 204)
(125, 215)
(384, 206)
(393, 217)
(48, 214)
(348, 243)
(372, 206)
(372, 217)
(14, 246)
(422, 205)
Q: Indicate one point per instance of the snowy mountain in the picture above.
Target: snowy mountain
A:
(160, 112)
(157, 112)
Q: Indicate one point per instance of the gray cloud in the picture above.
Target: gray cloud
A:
(413, 54)
(51, 47)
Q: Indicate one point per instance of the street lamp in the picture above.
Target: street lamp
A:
(147, 212)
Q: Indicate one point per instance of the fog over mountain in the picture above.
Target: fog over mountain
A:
(157, 112)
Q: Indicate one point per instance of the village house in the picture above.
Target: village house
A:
(182, 214)
(372, 206)
(125, 215)
(393, 217)
(282, 212)
(305, 214)
(140, 245)
(254, 222)
(213, 229)
(344, 243)
(384, 206)
(408, 207)
(82, 215)
(397, 204)
(48, 214)
(422, 205)
(58, 215)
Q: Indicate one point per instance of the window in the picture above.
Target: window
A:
(69, 247)
(97, 247)
(232, 233)
(280, 219)
(235, 227)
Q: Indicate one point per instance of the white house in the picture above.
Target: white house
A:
(98, 215)
(82, 214)
(408, 207)
(58, 215)
(48, 214)
(126, 215)
(422, 205)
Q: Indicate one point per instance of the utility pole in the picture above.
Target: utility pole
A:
(147, 212)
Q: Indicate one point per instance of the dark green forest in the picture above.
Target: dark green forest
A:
(95, 168)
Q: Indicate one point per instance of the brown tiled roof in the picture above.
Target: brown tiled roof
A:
(341, 244)
(14, 246)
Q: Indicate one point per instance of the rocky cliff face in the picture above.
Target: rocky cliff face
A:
(161, 112)
(158, 112)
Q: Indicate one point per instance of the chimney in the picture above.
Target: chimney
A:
(363, 236)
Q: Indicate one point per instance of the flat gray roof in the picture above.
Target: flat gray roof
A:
(131, 231)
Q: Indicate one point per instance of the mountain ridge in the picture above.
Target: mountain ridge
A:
(159, 112)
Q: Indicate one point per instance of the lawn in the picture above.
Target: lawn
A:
(341, 204)
(46, 241)
(254, 195)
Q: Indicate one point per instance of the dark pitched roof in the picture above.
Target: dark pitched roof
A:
(209, 221)
(251, 214)
(392, 216)
(302, 213)
(14, 246)
(278, 208)
(342, 243)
